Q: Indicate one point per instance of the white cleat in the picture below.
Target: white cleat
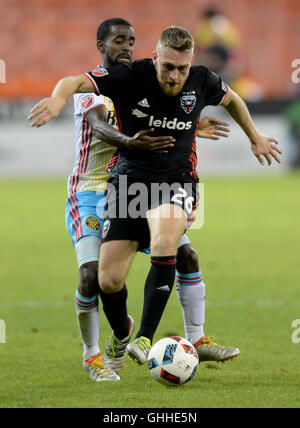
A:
(97, 370)
(114, 354)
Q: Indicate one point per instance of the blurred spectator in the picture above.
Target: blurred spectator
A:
(216, 58)
(218, 47)
(247, 88)
(215, 29)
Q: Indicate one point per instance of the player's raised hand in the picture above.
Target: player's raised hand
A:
(212, 128)
(144, 140)
(45, 110)
(267, 148)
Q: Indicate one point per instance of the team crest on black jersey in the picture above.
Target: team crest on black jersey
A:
(188, 101)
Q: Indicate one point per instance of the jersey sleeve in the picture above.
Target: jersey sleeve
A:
(84, 103)
(111, 82)
(216, 89)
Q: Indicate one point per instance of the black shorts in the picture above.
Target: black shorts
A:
(128, 203)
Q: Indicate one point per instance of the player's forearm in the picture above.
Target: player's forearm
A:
(238, 110)
(50, 107)
(69, 86)
(109, 134)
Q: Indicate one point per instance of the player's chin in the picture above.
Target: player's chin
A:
(172, 91)
(123, 60)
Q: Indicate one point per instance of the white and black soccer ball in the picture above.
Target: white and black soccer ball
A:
(173, 361)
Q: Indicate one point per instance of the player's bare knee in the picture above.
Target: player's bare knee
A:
(164, 245)
(88, 285)
(110, 282)
(187, 259)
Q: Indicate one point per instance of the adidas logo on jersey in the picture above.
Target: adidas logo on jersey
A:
(170, 124)
(139, 113)
(144, 103)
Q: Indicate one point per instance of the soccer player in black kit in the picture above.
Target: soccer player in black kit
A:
(166, 94)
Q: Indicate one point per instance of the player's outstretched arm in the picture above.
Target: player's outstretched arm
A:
(143, 140)
(50, 107)
(212, 128)
(263, 147)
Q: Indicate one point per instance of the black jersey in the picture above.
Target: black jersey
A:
(140, 104)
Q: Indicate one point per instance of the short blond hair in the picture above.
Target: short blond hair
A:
(176, 38)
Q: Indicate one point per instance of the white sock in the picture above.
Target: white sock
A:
(87, 312)
(191, 295)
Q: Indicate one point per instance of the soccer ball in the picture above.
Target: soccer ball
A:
(173, 361)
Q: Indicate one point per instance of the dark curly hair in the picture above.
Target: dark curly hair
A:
(104, 29)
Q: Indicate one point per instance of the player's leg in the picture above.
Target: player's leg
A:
(83, 225)
(115, 260)
(190, 290)
(191, 295)
(86, 296)
(160, 279)
(87, 312)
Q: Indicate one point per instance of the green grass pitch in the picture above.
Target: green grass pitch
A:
(249, 256)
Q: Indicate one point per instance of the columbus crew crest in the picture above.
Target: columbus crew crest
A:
(188, 101)
(92, 223)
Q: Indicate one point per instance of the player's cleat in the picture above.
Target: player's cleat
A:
(139, 349)
(97, 370)
(209, 351)
(114, 354)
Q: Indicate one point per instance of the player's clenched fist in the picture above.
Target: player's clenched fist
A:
(45, 110)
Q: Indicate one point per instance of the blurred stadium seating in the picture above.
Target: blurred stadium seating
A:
(44, 40)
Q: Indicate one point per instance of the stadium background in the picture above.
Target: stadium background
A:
(253, 277)
(42, 41)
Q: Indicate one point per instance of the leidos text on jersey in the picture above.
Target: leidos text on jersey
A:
(170, 124)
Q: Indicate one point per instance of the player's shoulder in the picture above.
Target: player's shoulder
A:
(141, 65)
(200, 71)
(204, 76)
